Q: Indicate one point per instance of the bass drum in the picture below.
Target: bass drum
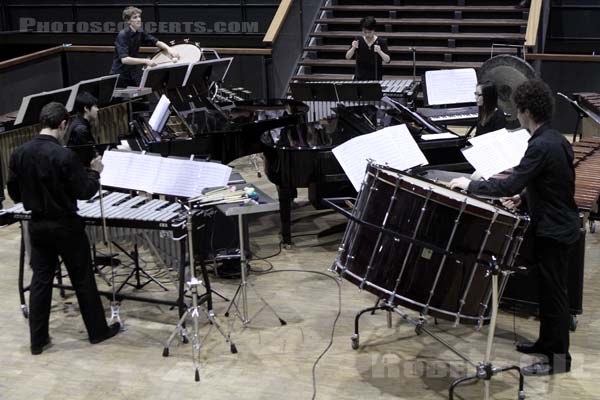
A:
(422, 246)
(188, 53)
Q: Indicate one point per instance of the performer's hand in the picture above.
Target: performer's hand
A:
(355, 44)
(512, 203)
(377, 48)
(96, 164)
(461, 183)
(173, 54)
(150, 63)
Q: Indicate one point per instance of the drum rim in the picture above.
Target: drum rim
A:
(507, 219)
(345, 273)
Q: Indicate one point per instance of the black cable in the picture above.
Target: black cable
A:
(337, 317)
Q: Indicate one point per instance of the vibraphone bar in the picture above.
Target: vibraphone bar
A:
(159, 224)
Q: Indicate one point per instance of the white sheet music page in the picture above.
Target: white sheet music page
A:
(497, 151)
(160, 114)
(451, 86)
(129, 170)
(393, 146)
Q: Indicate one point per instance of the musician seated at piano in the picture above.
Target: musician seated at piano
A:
(371, 52)
(49, 179)
(490, 117)
(126, 59)
(545, 178)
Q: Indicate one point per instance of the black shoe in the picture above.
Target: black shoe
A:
(543, 369)
(528, 348)
(37, 350)
(112, 331)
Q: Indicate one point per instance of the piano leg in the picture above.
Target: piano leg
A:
(285, 211)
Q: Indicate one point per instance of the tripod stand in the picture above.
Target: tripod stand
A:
(242, 290)
(195, 309)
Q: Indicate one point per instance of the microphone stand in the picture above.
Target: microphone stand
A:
(581, 114)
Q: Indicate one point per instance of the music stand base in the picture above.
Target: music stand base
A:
(486, 372)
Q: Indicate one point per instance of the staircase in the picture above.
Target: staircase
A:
(445, 34)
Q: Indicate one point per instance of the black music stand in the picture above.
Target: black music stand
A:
(164, 77)
(581, 114)
(101, 88)
(31, 106)
(359, 91)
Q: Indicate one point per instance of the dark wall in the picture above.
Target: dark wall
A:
(574, 27)
(569, 77)
(213, 23)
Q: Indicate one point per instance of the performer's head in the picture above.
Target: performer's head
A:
(486, 95)
(133, 17)
(53, 118)
(534, 102)
(367, 25)
(86, 105)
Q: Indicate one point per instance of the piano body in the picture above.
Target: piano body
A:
(301, 156)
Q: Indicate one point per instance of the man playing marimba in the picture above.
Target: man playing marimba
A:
(49, 179)
(547, 176)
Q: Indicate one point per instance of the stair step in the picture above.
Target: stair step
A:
(419, 64)
(428, 21)
(421, 50)
(432, 8)
(427, 35)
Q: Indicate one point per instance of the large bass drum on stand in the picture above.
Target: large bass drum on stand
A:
(417, 244)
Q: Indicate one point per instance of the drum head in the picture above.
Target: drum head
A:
(188, 53)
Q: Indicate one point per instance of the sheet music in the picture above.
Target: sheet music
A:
(451, 86)
(393, 146)
(160, 114)
(437, 136)
(497, 151)
(160, 175)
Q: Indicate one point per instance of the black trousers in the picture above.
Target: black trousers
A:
(553, 262)
(65, 238)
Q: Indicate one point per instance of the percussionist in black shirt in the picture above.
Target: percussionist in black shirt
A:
(126, 59)
(80, 128)
(545, 177)
(49, 179)
(371, 51)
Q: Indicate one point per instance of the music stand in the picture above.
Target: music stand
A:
(359, 91)
(101, 88)
(581, 114)
(31, 106)
(164, 77)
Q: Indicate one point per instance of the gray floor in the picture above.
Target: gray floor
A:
(276, 361)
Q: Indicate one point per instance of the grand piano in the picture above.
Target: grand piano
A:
(300, 156)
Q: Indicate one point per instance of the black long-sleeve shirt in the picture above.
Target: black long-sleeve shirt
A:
(369, 65)
(49, 179)
(496, 121)
(546, 172)
(128, 44)
(80, 132)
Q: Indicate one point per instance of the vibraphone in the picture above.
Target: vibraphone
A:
(158, 224)
(393, 88)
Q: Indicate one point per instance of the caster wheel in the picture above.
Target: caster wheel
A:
(226, 315)
(418, 330)
(25, 314)
(233, 349)
(355, 342)
(521, 395)
(197, 376)
(592, 226)
(166, 352)
(573, 323)
(282, 322)
(184, 340)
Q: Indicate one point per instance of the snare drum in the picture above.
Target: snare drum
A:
(427, 248)
(188, 53)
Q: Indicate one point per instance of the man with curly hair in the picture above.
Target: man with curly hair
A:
(545, 180)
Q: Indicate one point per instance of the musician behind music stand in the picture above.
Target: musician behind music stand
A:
(101, 88)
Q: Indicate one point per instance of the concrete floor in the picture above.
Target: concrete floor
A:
(276, 361)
